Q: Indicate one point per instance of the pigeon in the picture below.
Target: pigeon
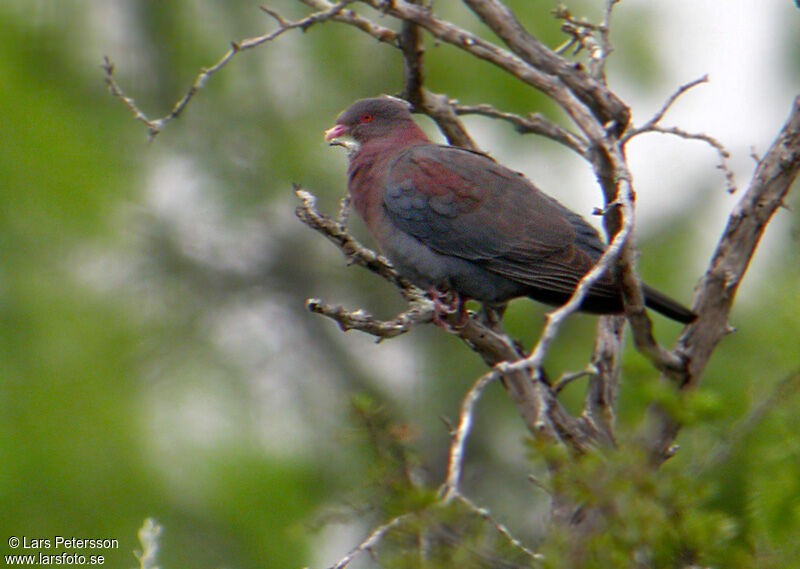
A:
(451, 219)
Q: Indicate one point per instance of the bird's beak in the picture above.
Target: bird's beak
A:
(335, 132)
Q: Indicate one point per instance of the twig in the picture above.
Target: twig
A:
(583, 33)
(561, 12)
(653, 125)
(450, 487)
(500, 528)
(568, 378)
(372, 540)
(575, 39)
(353, 250)
(722, 152)
(606, 48)
(768, 188)
(648, 126)
(380, 33)
(419, 312)
(604, 105)
(155, 126)
(533, 123)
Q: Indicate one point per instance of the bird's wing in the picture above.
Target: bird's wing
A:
(464, 204)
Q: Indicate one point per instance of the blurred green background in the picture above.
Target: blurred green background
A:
(156, 358)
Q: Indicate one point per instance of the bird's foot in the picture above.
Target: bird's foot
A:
(445, 305)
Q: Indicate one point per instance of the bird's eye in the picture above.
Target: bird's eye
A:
(366, 117)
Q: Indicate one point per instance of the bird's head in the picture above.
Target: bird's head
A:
(369, 119)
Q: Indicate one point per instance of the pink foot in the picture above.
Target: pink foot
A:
(445, 304)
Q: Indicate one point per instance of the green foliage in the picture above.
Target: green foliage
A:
(638, 517)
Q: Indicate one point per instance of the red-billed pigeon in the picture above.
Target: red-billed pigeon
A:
(453, 219)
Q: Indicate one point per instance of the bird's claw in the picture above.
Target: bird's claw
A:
(446, 304)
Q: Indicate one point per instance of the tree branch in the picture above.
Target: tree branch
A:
(155, 126)
(476, 46)
(604, 104)
(419, 312)
(352, 249)
(599, 408)
(534, 123)
(714, 297)
(653, 125)
(648, 126)
(449, 489)
(372, 540)
(538, 406)
(722, 152)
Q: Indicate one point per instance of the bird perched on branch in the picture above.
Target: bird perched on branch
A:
(456, 220)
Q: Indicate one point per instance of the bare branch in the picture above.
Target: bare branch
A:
(604, 104)
(771, 182)
(599, 408)
(653, 125)
(648, 126)
(372, 540)
(605, 42)
(722, 152)
(413, 75)
(540, 410)
(583, 34)
(633, 298)
(561, 12)
(534, 123)
(441, 109)
(487, 51)
(450, 487)
(155, 126)
(500, 528)
(714, 297)
(353, 250)
(568, 378)
(380, 33)
(419, 312)
(642, 327)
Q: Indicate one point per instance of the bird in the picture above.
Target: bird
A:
(453, 219)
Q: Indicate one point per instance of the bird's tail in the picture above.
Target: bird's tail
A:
(663, 304)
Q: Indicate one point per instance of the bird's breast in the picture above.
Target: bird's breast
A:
(366, 176)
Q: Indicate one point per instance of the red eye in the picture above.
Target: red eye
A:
(366, 117)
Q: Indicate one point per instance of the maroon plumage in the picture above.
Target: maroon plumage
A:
(452, 218)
